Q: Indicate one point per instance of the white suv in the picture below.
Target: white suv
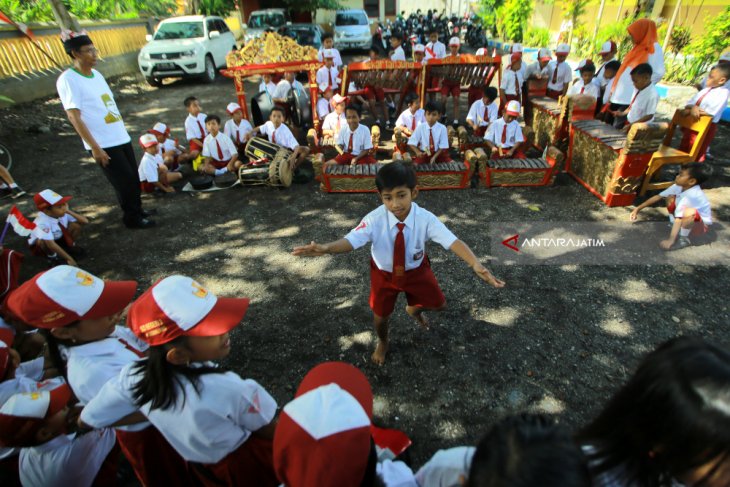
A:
(194, 45)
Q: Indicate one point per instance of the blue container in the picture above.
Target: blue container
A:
(726, 115)
(663, 91)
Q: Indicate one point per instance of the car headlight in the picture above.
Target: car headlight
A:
(145, 55)
(190, 53)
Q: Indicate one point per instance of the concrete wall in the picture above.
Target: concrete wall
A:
(42, 85)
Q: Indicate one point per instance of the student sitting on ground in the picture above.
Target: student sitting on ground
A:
(278, 133)
(153, 173)
(430, 141)
(407, 122)
(221, 154)
(57, 228)
(354, 140)
(237, 127)
(168, 147)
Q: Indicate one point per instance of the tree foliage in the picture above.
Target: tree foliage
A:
(312, 6)
(215, 7)
(27, 11)
(488, 12)
(513, 17)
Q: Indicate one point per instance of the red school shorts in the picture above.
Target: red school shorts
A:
(426, 159)
(480, 131)
(373, 93)
(219, 164)
(450, 87)
(250, 465)
(420, 286)
(194, 146)
(699, 227)
(347, 158)
(153, 459)
(146, 187)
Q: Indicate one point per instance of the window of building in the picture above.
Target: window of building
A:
(372, 7)
(390, 7)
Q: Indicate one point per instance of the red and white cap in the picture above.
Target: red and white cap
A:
(607, 47)
(562, 49)
(513, 108)
(544, 54)
(159, 129)
(482, 51)
(454, 41)
(232, 108)
(516, 47)
(324, 87)
(328, 54)
(419, 48)
(178, 306)
(66, 294)
(515, 56)
(323, 435)
(25, 413)
(583, 63)
(148, 140)
(48, 197)
(337, 99)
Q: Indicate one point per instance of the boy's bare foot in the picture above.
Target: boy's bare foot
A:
(417, 314)
(378, 356)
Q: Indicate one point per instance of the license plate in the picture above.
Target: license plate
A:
(166, 66)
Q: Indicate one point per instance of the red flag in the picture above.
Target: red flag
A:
(19, 25)
(20, 223)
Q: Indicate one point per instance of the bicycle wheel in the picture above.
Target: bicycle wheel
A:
(6, 158)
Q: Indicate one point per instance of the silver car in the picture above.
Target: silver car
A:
(262, 20)
(352, 29)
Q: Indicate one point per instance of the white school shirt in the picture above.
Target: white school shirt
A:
(694, 197)
(323, 107)
(49, 228)
(607, 91)
(625, 87)
(192, 129)
(212, 422)
(282, 89)
(406, 118)
(565, 75)
(644, 104)
(284, 137)
(336, 60)
(508, 82)
(714, 101)
(148, 168)
(591, 89)
(420, 137)
(243, 128)
(94, 99)
(379, 228)
(66, 460)
(330, 121)
(534, 69)
(446, 467)
(398, 54)
(600, 74)
(476, 113)
(323, 78)
(210, 148)
(514, 133)
(395, 474)
(169, 145)
(438, 48)
(269, 87)
(361, 140)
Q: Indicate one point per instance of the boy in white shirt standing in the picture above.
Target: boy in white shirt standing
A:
(585, 85)
(430, 141)
(398, 54)
(538, 69)
(324, 106)
(398, 231)
(484, 111)
(608, 54)
(219, 151)
(354, 141)
(511, 87)
(194, 126)
(644, 101)
(689, 209)
(435, 49)
(328, 42)
(328, 74)
(504, 135)
(559, 74)
(267, 85)
(237, 127)
(452, 87)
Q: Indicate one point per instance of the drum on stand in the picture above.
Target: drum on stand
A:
(258, 148)
(261, 106)
(301, 109)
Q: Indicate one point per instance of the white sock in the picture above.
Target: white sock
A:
(671, 218)
(3, 185)
(684, 232)
(13, 185)
(220, 171)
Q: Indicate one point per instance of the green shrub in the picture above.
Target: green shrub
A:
(513, 15)
(537, 37)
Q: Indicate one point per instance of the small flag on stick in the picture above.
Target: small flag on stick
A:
(20, 223)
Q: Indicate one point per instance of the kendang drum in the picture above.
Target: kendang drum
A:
(258, 148)
(280, 170)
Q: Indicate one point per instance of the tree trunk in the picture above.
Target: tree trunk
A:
(598, 20)
(63, 19)
(670, 27)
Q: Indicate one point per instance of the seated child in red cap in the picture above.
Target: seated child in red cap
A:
(336, 120)
(398, 231)
(429, 143)
(57, 228)
(78, 314)
(504, 136)
(52, 454)
(221, 424)
(237, 127)
(168, 147)
(153, 172)
(354, 140)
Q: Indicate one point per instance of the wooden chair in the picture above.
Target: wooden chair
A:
(666, 154)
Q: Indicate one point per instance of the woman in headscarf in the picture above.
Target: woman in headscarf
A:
(646, 50)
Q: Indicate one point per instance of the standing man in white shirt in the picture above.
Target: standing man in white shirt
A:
(91, 109)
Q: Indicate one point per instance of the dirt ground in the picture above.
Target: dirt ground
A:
(555, 339)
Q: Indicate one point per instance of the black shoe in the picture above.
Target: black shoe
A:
(142, 223)
(17, 192)
(149, 213)
(5, 192)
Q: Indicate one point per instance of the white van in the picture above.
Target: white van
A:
(352, 29)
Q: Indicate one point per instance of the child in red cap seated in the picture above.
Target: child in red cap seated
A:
(504, 136)
(220, 423)
(53, 454)
(168, 147)
(57, 228)
(153, 173)
(237, 127)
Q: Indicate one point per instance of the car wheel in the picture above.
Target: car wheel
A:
(210, 72)
(156, 82)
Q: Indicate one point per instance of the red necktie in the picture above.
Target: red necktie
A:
(633, 99)
(413, 123)
(329, 73)
(349, 145)
(504, 134)
(517, 85)
(273, 136)
(399, 255)
(484, 117)
(202, 131)
(555, 73)
(131, 348)
(582, 89)
(338, 123)
(220, 152)
(699, 100)
(238, 139)
(431, 144)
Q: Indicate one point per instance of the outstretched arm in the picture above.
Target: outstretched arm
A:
(464, 252)
(315, 250)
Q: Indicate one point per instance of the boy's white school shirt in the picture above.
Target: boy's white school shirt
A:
(193, 130)
(148, 168)
(282, 89)
(625, 87)
(714, 101)
(508, 82)
(323, 107)
(406, 118)
(284, 137)
(324, 74)
(694, 197)
(49, 228)
(210, 148)
(601, 74)
(565, 75)
(330, 122)
(269, 87)
(438, 48)
(480, 116)
(379, 228)
(213, 420)
(66, 460)
(644, 103)
(591, 89)
(534, 69)
(169, 145)
(513, 137)
(361, 140)
(398, 54)
(336, 60)
(232, 130)
(420, 137)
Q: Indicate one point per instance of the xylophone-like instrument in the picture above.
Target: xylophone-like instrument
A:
(521, 172)
(361, 178)
(395, 77)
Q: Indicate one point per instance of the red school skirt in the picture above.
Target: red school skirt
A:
(251, 465)
(347, 158)
(154, 461)
(419, 284)
(426, 159)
